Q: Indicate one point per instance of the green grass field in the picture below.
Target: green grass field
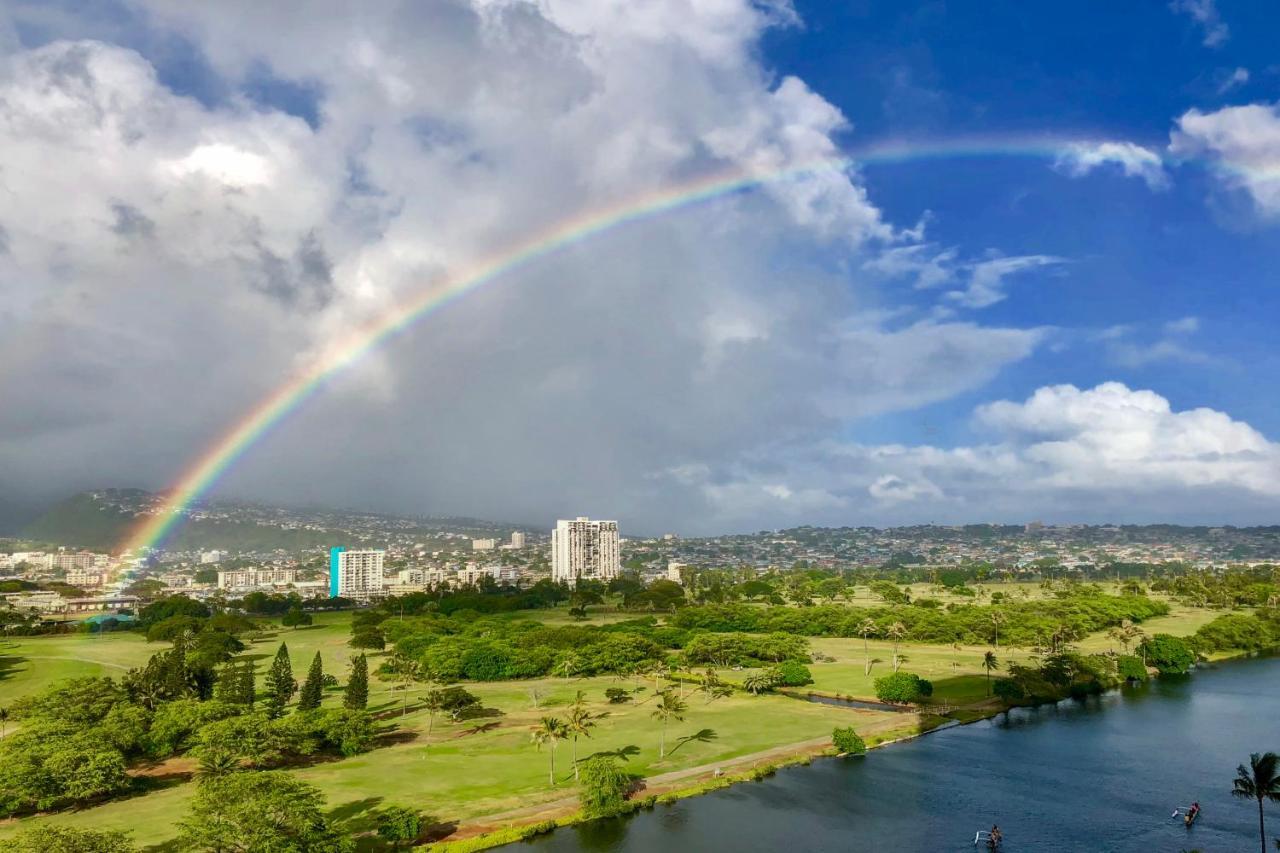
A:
(488, 766)
(460, 771)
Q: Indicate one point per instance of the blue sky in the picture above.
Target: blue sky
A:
(1086, 70)
(204, 199)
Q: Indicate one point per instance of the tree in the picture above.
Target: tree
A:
(248, 683)
(280, 682)
(713, 688)
(867, 627)
(399, 825)
(4, 720)
(997, 618)
(368, 638)
(271, 810)
(616, 695)
(1169, 654)
(56, 838)
(549, 731)
(848, 742)
(215, 763)
(896, 632)
(579, 722)
(603, 786)
(669, 707)
(1008, 691)
(313, 688)
(296, 618)
(452, 700)
(356, 697)
(900, 687)
(406, 670)
(990, 663)
(1259, 781)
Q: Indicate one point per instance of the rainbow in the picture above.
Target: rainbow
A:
(201, 476)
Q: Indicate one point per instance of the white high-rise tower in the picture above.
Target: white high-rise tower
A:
(583, 548)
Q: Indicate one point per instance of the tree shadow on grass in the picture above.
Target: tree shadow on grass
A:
(355, 817)
(8, 663)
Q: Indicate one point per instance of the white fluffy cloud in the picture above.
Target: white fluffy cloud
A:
(1242, 143)
(1065, 453)
(1135, 161)
(174, 257)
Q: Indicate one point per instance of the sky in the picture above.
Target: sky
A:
(1043, 287)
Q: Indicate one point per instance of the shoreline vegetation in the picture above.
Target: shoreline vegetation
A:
(465, 840)
(437, 718)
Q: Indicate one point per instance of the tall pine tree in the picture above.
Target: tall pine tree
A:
(228, 687)
(280, 683)
(357, 695)
(248, 683)
(313, 687)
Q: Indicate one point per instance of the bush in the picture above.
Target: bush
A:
(1130, 668)
(616, 695)
(848, 742)
(901, 687)
(603, 786)
(1007, 690)
(1169, 654)
(54, 838)
(794, 674)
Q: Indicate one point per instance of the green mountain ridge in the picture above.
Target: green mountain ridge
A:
(102, 521)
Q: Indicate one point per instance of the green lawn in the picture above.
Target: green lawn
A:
(30, 664)
(462, 770)
(488, 766)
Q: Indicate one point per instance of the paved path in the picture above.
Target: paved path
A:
(655, 785)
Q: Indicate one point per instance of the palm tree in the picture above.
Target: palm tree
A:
(218, 763)
(713, 688)
(997, 618)
(579, 722)
(4, 720)
(896, 632)
(867, 627)
(1259, 781)
(989, 663)
(670, 707)
(569, 666)
(550, 731)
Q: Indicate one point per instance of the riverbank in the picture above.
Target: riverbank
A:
(667, 788)
(670, 788)
(931, 793)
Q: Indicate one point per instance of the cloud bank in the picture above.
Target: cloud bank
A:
(196, 207)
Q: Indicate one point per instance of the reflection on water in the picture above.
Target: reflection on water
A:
(1097, 774)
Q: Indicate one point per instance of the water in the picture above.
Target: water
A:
(1102, 774)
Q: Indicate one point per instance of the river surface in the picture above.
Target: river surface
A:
(1101, 774)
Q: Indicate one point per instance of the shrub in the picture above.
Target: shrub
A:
(1130, 668)
(794, 674)
(616, 695)
(848, 742)
(902, 687)
(54, 838)
(1169, 654)
(603, 786)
